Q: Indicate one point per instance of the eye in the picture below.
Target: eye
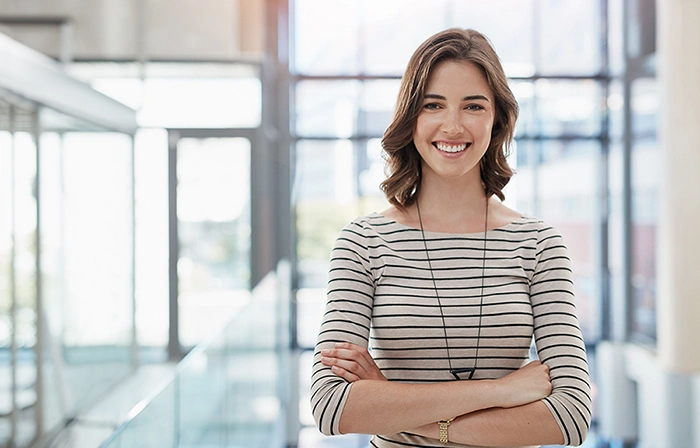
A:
(475, 107)
(431, 106)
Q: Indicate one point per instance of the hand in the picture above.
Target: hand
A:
(526, 385)
(351, 362)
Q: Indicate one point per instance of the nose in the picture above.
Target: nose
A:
(453, 124)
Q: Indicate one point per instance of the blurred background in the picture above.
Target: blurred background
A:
(173, 174)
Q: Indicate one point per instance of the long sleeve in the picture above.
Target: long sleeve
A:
(347, 319)
(558, 337)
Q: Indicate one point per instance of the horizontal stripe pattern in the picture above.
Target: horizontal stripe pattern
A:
(381, 295)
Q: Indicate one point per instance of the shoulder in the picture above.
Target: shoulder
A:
(548, 238)
(368, 224)
(533, 230)
(528, 223)
(374, 231)
(361, 230)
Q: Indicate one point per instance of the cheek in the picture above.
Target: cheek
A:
(425, 124)
(486, 128)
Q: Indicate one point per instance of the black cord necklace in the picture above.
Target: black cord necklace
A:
(468, 370)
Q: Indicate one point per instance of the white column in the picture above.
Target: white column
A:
(678, 298)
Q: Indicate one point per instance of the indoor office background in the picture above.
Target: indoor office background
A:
(173, 174)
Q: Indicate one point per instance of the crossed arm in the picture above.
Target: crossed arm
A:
(512, 410)
(503, 412)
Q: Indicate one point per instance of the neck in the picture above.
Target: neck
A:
(452, 204)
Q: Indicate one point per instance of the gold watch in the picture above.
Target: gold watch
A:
(444, 424)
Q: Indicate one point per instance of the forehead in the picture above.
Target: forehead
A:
(458, 76)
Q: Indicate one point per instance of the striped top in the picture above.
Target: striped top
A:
(381, 294)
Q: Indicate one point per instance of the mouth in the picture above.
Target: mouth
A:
(451, 148)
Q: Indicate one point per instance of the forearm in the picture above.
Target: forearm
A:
(376, 407)
(530, 424)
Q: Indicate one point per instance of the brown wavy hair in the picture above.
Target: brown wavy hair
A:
(403, 162)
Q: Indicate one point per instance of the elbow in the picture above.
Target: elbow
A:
(322, 419)
(328, 426)
(323, 426)
(325, 430)
(328, 430)
(573, 417)
(327, 407)
(582, 435)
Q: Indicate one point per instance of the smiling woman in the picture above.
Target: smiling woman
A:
(458, 126)
(451, 284)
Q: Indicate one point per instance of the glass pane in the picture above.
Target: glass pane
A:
(568, 107)
(509, 26)
(343, 109)
(646, 180)
(616, 55)
(6, 287)
(615, 103)
(324, 195)
(525, 163)
(645, 108)
(324, 171)
(200, 103)
(616, 235)
(371, 169)
(524, 92)
(24, 314)
(326, 38)
(387, 47)
(88, 264)
(98, 233)
(565, 193)
(327, 196)
(311, 303)
(180, 94)
(152, 244)
(569, 37)
(213, 208)
(52, 273)
(377, 103)
(327, 108)
(227, 392)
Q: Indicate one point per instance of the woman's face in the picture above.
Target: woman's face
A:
(453, 129)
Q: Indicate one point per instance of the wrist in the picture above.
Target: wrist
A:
(495, 392)
(500, 393)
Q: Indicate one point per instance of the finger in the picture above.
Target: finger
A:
(357, 348)
(349, 365)
(348, 376)
(349, 355)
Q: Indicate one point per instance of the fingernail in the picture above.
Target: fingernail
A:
(325, 352)
(340, 344)
(325, 360)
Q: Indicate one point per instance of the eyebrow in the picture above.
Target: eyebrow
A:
(466, 98)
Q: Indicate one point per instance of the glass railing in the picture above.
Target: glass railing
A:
(227, 392)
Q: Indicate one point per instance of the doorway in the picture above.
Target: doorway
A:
(210, 231)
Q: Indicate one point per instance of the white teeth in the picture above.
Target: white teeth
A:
(451, 148)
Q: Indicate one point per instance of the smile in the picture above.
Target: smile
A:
(451, 148)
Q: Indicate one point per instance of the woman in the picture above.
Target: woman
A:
(452, 283)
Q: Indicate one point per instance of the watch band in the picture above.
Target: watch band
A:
(444, 424)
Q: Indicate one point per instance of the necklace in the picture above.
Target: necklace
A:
(468, 370)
